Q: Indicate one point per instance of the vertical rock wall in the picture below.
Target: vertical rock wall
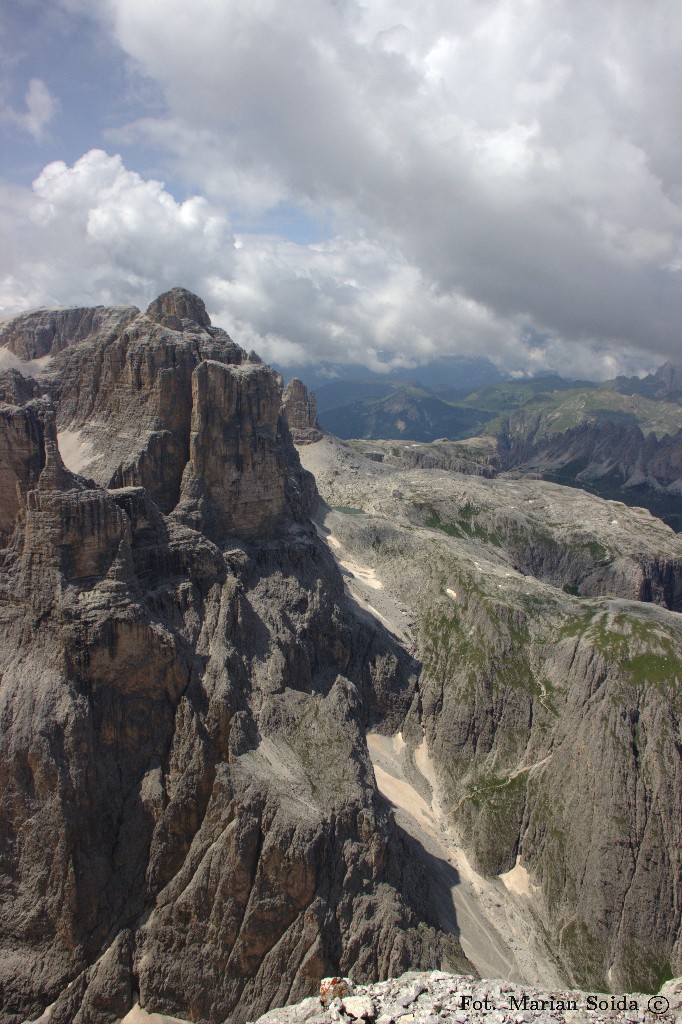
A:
(234, 480)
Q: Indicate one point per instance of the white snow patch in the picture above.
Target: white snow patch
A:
(75, 450)
(29, 368)
(451, 593)
(364, 573)
(496, 932)
(518, 880)
(139, 1016)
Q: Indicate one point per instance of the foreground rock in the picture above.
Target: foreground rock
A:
(427, 998)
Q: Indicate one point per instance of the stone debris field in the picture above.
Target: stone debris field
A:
(435, 997)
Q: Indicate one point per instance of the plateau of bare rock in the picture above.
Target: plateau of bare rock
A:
(561, 535)
(189, 817)
(620, 439)
(541, 761)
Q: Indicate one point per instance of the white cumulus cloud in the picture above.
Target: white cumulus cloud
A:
(521, 154)
(40, 109)
(99, 233)
(496, 172)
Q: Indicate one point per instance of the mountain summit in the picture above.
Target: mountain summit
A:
(250, 738)
(188, 809)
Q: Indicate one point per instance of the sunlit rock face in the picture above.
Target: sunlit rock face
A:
(300, 412)
(188, 812)
(235, 479)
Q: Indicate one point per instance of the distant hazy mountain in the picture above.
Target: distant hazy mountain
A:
(410, 411)
(621, 439)
(371, 408)
(337, 385)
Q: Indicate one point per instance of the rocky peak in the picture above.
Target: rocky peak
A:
(172, 308)
(669, 377)
(235, 478)
(121, 384)
(300, 411)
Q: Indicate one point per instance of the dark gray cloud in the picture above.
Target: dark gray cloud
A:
(488, 166)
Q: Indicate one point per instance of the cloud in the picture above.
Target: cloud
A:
(99, 233)
(502, 177)
(521, 154)
(41, 107)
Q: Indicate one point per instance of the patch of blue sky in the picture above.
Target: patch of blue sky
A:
(85, 73)
(288, 221)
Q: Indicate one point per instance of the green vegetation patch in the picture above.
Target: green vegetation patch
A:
(495, 791)
(646, 653)
(491, 813)
(465, 525)
(347, 510)
(585, 953)
(646, 970)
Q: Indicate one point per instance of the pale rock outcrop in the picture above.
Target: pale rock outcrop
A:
(300, 412)
(425, 998)
(235, 479)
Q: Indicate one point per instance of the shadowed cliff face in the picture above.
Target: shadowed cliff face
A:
(550, 693)
(187, 806)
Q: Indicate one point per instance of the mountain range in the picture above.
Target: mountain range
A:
(622, 439)
(275, 707)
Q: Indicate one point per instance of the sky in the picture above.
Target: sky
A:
(380, 183)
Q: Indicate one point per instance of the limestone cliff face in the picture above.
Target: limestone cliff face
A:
(563, 754)
(46, 332)
(121, 383)
(550, 694)
(598, 451)
(235, 479)
(187, 806)
(22, 457)
(300, 412)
